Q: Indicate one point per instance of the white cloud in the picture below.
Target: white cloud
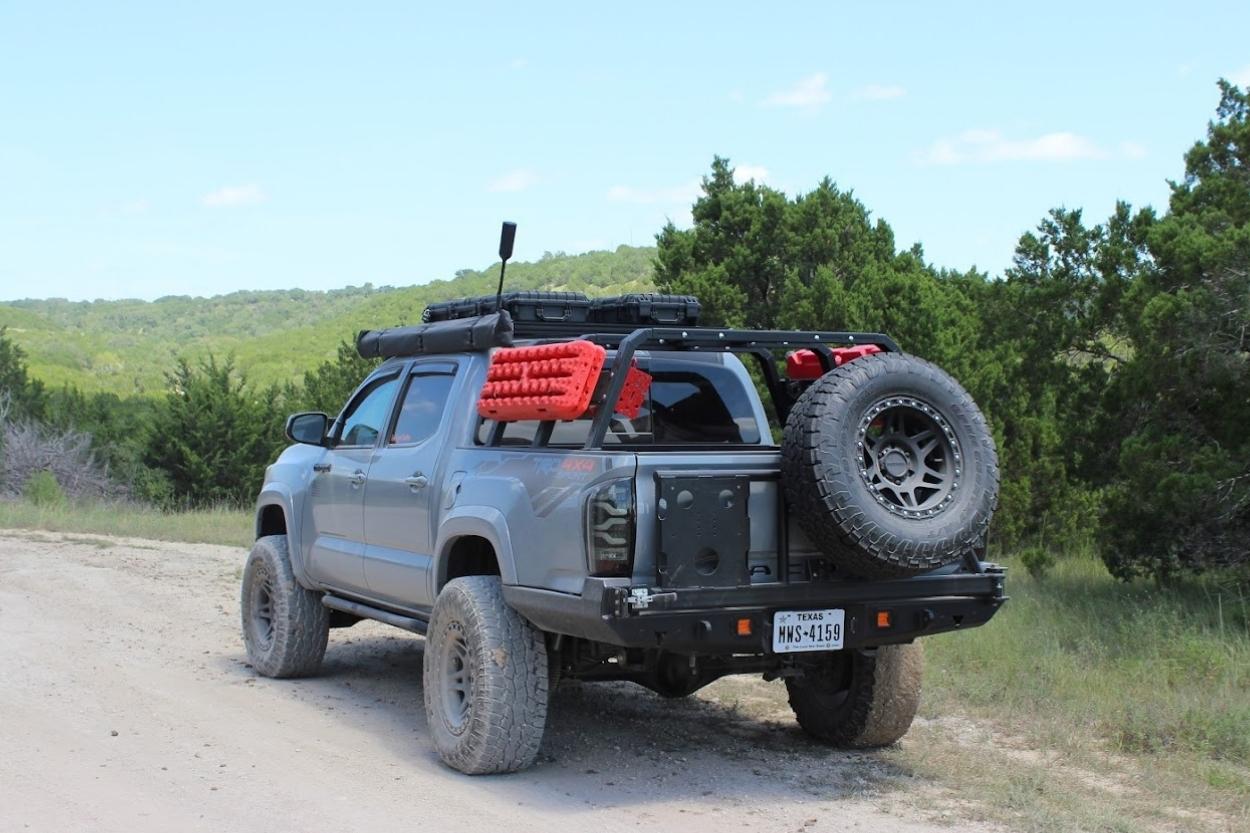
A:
(1133, 150)
(677, 194)
(744, 173)
(513, 181)
(991, 146)
(809, 93)
(232, 195)
(519, 63)
(879, 92)
(1241, 77)
(136, 206)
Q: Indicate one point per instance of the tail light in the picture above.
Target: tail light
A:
(610, 528)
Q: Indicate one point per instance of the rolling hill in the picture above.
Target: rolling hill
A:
(126, 347)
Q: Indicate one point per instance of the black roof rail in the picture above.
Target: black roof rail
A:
(695, 338)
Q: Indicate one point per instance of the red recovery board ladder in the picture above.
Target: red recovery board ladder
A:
(550, 381)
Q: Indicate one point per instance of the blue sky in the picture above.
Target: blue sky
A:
(150, 150)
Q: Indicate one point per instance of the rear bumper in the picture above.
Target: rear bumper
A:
(706, 621)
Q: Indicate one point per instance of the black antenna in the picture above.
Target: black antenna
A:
(507, 235)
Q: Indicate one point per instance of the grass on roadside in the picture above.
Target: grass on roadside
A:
(232, 527)
(1096, 704)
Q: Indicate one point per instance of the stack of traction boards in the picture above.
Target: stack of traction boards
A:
(551, 382)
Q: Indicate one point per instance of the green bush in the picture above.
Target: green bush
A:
(43, 490)
(1037, 560)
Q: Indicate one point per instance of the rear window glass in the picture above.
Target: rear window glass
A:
(689, 403)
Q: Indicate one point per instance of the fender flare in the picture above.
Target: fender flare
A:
(279, 494)
(480, 521)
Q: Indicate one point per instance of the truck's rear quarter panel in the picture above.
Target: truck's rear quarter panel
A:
(542, 495)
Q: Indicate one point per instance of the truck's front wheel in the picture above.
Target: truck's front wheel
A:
(859, 699)
(485, 679)
(285, 627)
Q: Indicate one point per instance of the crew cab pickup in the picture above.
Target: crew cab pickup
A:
(546, 500)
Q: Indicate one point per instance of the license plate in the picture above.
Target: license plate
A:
(808, 630)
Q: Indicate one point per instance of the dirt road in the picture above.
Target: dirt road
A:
(126, 705)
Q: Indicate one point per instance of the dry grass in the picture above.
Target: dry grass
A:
(232, 527)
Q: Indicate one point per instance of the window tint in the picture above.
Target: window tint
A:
(422, 409)
(364, 419)
(689, 403)
(708, 404)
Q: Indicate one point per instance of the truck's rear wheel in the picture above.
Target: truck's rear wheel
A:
(285, 627)
(485, 679)
(859, 699)
(889, 467)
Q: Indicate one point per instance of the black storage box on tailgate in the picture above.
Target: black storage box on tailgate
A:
(523, 306)
(646, 308)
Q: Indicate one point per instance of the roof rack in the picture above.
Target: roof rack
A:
(693, 338)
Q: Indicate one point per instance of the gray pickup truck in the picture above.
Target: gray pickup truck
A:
(667, 529)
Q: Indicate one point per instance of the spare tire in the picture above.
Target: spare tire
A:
(889, 467)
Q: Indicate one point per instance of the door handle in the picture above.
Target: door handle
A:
(321, 467)
(417, 482)
(358, 477)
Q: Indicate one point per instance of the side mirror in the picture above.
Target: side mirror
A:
(308, 428)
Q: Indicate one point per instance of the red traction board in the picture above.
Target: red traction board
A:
(550, 381)
(634, 393)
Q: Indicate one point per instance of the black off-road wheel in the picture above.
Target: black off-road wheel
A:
(889, 467)
(485, 679)
(285, 627)
(859, 699)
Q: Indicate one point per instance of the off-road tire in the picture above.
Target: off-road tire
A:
(860, 699)
(285, 627)
(825, 477)
(494, 722)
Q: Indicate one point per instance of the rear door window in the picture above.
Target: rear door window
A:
(421, 410)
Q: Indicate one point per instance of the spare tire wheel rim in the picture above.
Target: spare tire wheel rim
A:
(456, 680)
(909, 457)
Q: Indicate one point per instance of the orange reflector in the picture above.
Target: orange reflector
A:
(883, 618)
(744, 627)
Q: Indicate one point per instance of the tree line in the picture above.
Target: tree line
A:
(205, 442)
(1111, 359)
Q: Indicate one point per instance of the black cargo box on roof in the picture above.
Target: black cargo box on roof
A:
(572, 307)
(641, 308)
(646, 308)
(479, 333)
